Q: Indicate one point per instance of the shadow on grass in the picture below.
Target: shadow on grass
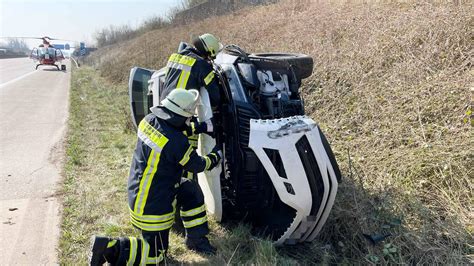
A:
(363, 227)
(372, 227)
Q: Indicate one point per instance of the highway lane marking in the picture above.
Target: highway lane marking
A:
(16, 79)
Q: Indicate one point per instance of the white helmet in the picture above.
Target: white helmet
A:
(182, 102)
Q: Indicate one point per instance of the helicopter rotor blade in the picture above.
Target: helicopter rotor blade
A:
(15, 37)
(37, 38)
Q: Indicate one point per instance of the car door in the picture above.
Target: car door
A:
(140, 99)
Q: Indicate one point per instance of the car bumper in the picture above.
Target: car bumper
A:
(308, 182)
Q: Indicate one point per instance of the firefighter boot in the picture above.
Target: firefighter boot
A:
(104, 249)
(200, 245)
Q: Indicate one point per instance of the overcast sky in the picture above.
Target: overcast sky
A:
(74, 19)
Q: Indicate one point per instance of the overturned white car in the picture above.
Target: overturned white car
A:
(278, 172)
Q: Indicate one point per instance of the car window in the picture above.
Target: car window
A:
(235, 85)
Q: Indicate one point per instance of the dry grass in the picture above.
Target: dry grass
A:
(393, 90)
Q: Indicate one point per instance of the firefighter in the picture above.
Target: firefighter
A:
(191, 67)
(155, 186)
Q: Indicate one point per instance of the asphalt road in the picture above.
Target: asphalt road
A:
(33, 115)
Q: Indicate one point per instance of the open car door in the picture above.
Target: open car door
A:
(140, 98)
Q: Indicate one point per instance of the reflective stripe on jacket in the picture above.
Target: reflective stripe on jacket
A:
(188, 70)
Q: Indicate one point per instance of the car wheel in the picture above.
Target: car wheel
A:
(63, 67)
(302, 64)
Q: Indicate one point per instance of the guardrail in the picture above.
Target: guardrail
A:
(74, 60)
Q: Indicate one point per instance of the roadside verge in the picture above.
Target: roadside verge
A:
(96, 167)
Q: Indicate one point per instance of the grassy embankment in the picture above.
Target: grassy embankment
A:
(392, 89)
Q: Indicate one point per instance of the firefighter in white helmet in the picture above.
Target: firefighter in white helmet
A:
(155, 187)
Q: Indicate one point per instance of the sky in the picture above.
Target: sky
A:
(75, 20)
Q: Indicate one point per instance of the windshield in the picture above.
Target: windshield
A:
(46, 50)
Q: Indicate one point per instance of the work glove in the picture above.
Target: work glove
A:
(215, 155)
(203, 127)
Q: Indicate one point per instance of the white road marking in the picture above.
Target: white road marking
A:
(16, 79)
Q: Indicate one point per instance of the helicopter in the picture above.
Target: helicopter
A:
(47, 54)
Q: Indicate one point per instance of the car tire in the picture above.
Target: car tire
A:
(63, 67)
(301, 63)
